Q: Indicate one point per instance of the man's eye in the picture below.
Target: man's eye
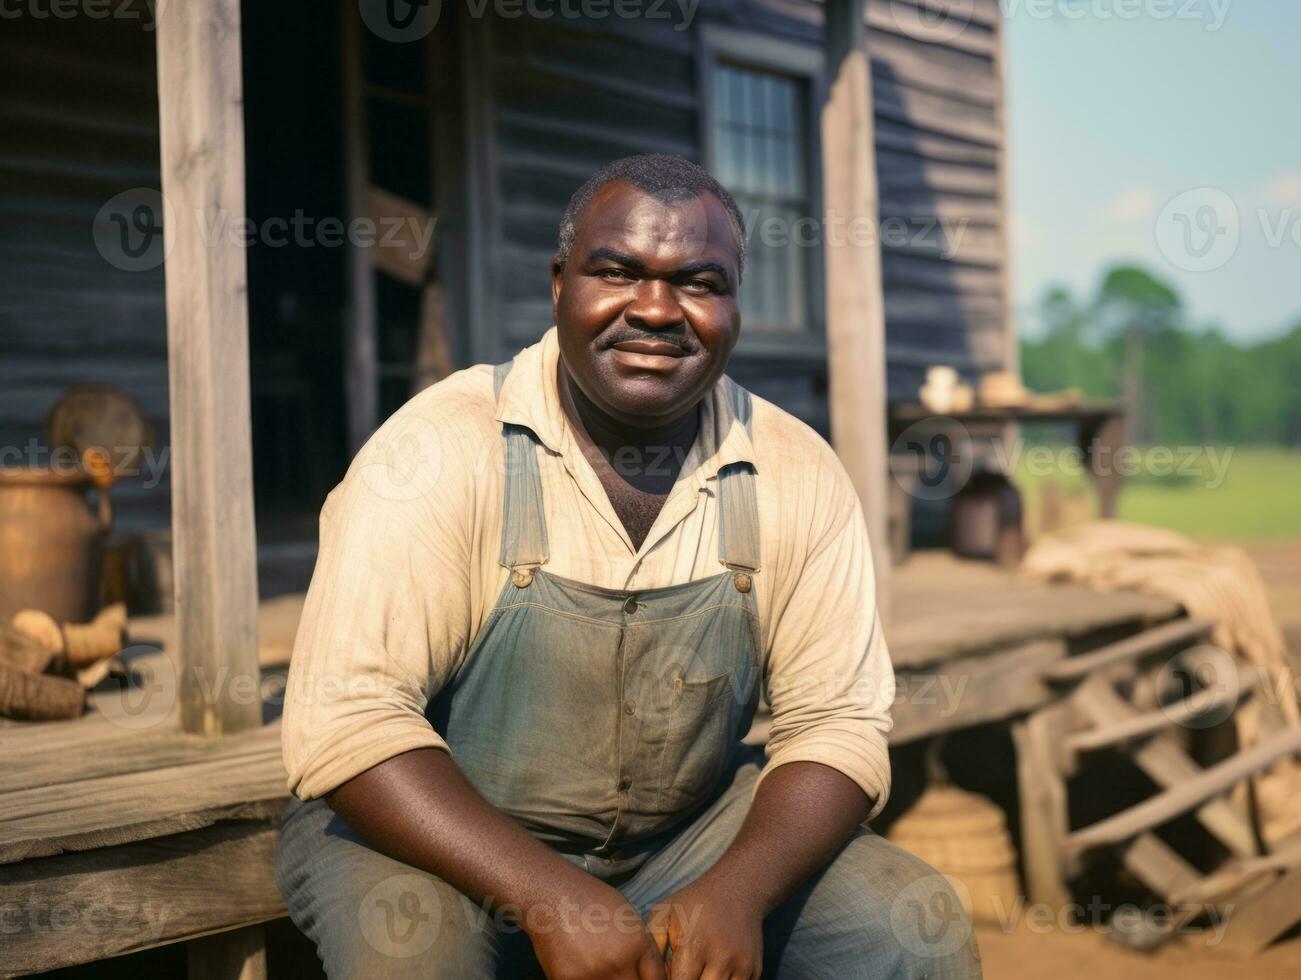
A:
(700, 285)
(615, 275)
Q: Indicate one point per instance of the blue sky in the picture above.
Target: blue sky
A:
(1112, 118)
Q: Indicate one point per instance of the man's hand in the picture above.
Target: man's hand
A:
(712, 933)
(592, 936)
(801, 814)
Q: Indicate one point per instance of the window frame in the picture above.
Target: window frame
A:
(726, 44)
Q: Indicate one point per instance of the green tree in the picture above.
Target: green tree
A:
(1136, 306)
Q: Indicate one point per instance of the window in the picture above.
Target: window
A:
(759, 147)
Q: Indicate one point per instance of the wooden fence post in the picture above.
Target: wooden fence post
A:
(201, 125)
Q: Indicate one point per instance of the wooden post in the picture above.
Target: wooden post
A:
(213, 541)
(855, 300)
(361, 370)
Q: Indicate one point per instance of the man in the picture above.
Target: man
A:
(548, 598)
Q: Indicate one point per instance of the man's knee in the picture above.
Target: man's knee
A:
(879, 911)
(914, 909)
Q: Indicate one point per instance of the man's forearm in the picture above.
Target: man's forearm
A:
(802, 813)
(419, 808)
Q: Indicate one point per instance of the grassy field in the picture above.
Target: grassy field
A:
(1229, 494)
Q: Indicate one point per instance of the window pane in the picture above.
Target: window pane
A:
(759, 130)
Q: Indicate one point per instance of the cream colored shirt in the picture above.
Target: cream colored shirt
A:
(408, 573)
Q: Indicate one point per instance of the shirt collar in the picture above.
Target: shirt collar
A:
(529, 398)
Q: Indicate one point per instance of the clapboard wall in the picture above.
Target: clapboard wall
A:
(79, 114)
(561, 97)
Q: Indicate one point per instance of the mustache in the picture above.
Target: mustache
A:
(678, 339)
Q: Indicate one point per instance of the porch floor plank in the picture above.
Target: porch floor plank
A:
(237, 777)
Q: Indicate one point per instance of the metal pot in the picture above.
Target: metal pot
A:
(50, 543)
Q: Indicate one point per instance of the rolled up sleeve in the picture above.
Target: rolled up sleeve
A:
(829, 678)
(386, 614)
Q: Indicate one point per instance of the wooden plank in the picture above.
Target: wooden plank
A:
(1259, 919)
(1159, 866)
(1168, 716)
(956, 26)
(910, 172)
(939, 115)
(921, 66)
(855, 305)
(973, 691)
(201, 127)
(1167, 765)
(1044, 815)
(903, 138)
(80, 907)
(243, 776)
(1155, 640)
(1187, 795)
(924, 272)
(400, 253)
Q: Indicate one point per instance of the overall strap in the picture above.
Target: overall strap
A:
(738, 500)
(524, 524)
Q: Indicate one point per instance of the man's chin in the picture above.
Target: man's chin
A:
(647, 399)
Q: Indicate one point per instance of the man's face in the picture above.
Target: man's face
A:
(646, 306)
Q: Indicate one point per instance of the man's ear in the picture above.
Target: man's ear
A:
(557, 278)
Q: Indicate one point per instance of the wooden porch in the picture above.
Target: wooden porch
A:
(123, 819)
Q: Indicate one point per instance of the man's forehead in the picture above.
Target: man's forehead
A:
(685, 227)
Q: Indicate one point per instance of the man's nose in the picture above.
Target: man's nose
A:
(654, 306)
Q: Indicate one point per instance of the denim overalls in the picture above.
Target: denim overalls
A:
(597, 717)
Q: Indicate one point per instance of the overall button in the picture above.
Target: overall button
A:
(624, 784)
(630, 606)
(630, 707)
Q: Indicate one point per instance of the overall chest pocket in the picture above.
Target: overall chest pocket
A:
(699, 722)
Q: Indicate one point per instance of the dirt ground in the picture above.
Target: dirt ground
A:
(1058, 955)
(1089, 956)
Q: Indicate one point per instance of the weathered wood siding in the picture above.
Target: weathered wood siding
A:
(563, 97)
(79, 114)
(940, 134)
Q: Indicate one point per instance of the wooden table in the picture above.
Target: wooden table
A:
(1098, 428)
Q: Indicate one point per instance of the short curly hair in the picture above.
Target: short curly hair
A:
(665, 177)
